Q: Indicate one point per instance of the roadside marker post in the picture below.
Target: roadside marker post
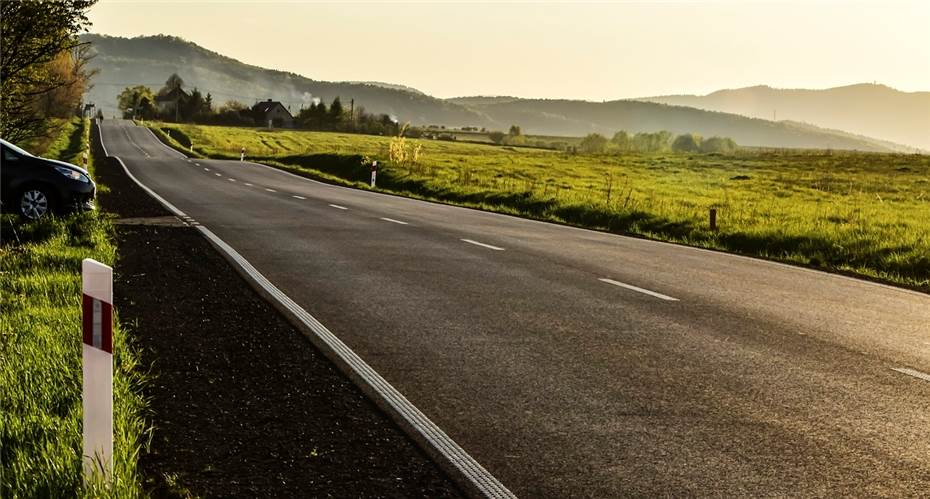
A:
(713, 219)
(97, 325)
(242, 155)
(374, 172)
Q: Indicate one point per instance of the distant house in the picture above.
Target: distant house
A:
(169, 103)
(272, 114)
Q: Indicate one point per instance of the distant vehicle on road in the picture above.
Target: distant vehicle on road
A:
(33, 187)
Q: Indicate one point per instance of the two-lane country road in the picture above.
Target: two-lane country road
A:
(572, 363)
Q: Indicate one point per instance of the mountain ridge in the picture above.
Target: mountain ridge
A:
(150, 60)
(870, 109)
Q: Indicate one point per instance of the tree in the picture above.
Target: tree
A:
(130, 102)
(193, 107)
(687, 142)
(146, 108)
(621, 139)
(651, 142)
(70, 78)
(335, 112)
(173, 82)
(724, 145)
(515, 131)
(496, 137)
(593, 143)
(35, 34)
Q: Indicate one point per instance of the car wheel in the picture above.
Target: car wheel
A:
(35, 203)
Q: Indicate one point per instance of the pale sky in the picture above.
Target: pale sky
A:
(594, 51)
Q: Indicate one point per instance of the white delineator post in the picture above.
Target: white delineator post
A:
(242, 155)
(374, 172)
(97, 324)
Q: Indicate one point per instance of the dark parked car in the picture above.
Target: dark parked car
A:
(33, 186)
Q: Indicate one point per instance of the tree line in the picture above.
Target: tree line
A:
(141, 101)
(653, 142)
(621, 142)
(43, 65)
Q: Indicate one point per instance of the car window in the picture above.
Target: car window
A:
(12, 147)
(9, 155)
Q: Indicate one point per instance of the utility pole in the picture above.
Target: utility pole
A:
(352, 110)
(774, 114)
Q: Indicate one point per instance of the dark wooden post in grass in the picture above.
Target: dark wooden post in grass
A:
(713, 219)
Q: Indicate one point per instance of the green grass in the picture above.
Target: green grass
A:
(40, 354)
(861, 213)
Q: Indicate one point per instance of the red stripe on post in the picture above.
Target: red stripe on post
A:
(107, 332)
(105, 340)
(87, 320)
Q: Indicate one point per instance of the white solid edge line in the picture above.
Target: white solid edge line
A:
(476, 243)
(166, 146)
(295, 196)
(470, 469)
(638, 289)
(393, 221)
(338, 207)
(912, 372)
(100, 137)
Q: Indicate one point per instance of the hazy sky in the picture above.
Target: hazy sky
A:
(593, 51)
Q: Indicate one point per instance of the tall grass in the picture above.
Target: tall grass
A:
(863, 213)
(40, 355)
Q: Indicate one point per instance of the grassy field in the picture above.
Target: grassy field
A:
(861, 213)
(40, 354)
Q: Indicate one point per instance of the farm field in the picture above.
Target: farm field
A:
(866, 214)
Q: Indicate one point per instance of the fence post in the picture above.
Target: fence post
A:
(97, 325)
(713, 219)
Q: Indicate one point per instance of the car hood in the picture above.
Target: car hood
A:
(66, 165)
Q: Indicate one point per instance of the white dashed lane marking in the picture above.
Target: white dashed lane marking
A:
(248, 184)
(297, 197)
(339, 207)
(393, 221)
(488, 246)
(270, 190)
(218, 174)
(231, 179)
(638, 289)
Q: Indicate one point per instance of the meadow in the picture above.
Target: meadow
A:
(40, 353)
(866, 214)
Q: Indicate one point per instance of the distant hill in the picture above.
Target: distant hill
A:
(868, 109)
(572, 117)
(150, 60)
(393, 86)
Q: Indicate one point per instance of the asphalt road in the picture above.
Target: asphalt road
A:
(573, 363)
